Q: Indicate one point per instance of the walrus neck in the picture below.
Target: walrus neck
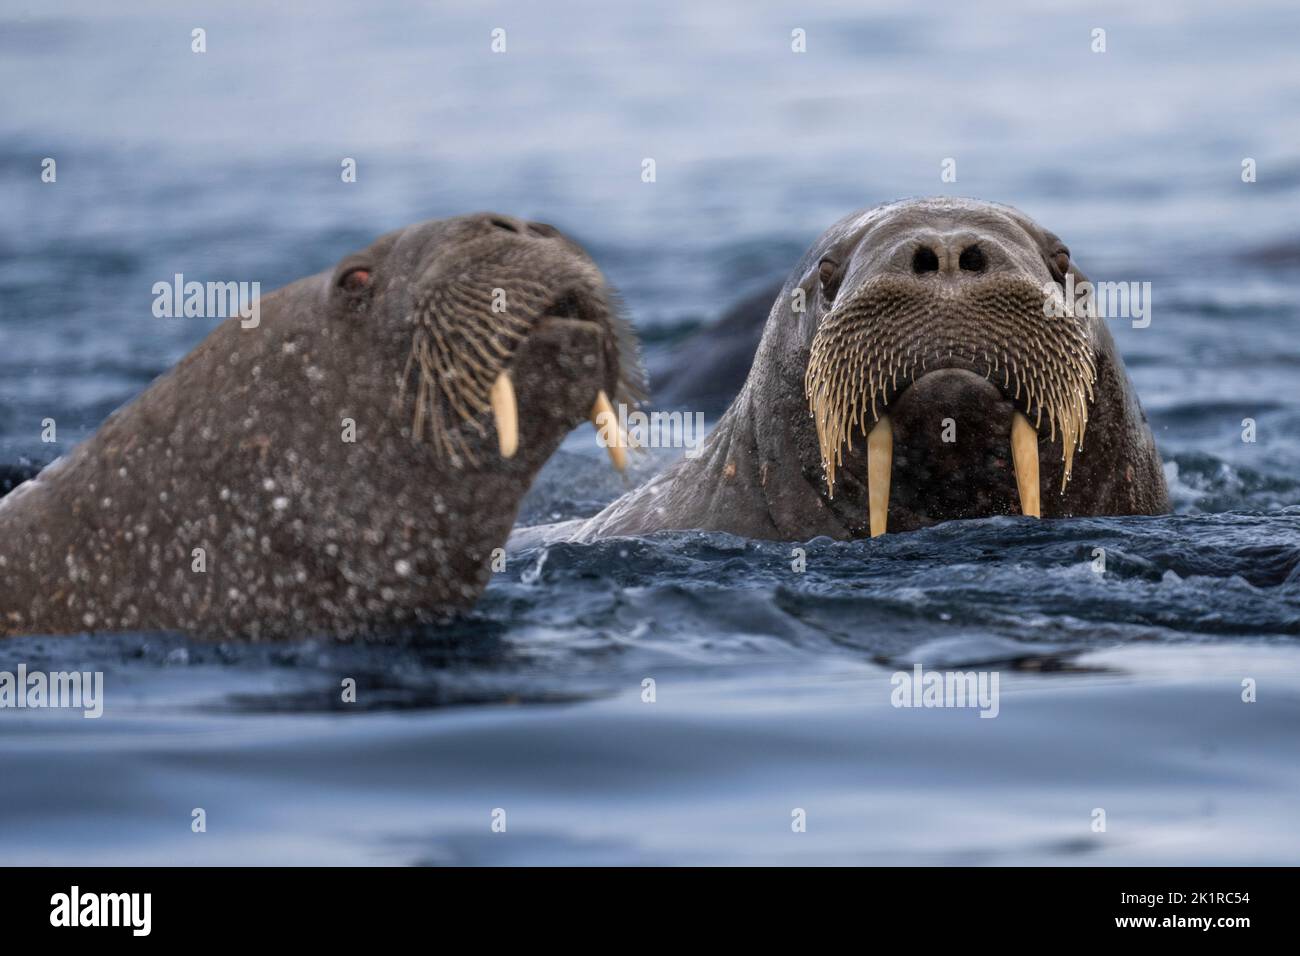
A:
(734, 469)
(792, 487)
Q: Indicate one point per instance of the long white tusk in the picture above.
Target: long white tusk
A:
(880, 462)
(608, 432)
(1024, 453)
(506, 414)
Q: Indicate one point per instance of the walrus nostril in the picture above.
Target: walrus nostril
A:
(567, 306)
(925, 260)
(504, 224)
(972, 259)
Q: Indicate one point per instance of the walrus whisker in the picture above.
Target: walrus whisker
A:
(880, 331)
(456, 370)
(463, 343)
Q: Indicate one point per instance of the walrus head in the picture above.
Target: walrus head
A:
(936, 348)
(920, 364)
(503, 309)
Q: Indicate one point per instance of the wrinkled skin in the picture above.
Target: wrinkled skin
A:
(762, 473)
(239, 450)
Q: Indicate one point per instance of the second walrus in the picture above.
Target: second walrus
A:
(347, 466)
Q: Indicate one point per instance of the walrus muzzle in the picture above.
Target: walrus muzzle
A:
(465, 332)
(894, 330)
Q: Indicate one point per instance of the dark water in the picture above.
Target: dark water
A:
(1119, 690)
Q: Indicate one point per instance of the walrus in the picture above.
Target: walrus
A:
(921, 364)
(346, 467)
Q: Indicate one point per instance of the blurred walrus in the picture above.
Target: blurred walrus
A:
(920, 364)
(347, 466)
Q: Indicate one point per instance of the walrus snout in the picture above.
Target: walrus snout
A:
(582, 347)
(509, 284)
(871, 354)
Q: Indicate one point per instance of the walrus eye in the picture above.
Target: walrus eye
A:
(355, 280)
(826, 274)
(1061, 260)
